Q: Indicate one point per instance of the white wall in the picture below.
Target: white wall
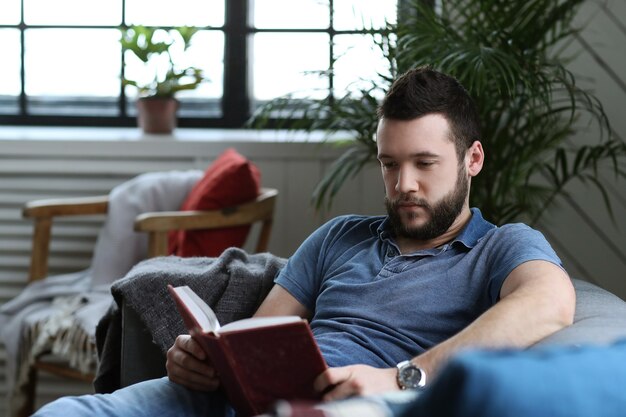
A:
(591, 243)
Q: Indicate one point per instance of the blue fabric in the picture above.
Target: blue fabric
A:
(157, 397)
(374, 306)
(549, 382)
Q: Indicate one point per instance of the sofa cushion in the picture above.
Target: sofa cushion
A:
(229, 181)
(555, 381)
(600, 318)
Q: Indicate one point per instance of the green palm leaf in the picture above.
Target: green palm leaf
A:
(509, 55)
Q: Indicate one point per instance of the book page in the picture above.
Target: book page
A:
(255, 322)
(203, 314)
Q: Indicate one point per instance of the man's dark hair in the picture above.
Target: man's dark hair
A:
(422, 91)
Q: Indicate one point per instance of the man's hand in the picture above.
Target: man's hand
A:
(347, 381)
(187, 365)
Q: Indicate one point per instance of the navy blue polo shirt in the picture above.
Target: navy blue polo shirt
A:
(375, 306)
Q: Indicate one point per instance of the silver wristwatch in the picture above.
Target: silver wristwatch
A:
(410, 376)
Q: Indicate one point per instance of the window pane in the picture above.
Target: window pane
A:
(10, 80)
(84, 63)
(179, 13)
(290, 14)
(282, 64)
(207, 53)
(73, 12)
(9, 12)
(363, 14)
(359, 62)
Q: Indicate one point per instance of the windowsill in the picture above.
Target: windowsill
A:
(100, 134)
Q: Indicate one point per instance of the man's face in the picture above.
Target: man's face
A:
(426, 188)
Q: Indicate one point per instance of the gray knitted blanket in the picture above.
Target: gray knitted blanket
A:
(233, 284)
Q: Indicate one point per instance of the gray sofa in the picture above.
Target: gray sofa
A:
(600, 319)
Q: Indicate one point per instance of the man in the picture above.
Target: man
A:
(391, 298)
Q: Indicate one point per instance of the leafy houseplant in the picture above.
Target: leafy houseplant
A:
(157, 104)
(509, 56)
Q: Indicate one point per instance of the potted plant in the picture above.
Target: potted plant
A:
(162, 79)
(507, 54)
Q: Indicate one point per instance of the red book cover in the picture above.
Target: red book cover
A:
(259, 360)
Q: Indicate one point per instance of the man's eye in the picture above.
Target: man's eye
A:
(425, 164)
(388, 165)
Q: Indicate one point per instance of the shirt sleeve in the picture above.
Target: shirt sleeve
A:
(513, 245)
(302, 274)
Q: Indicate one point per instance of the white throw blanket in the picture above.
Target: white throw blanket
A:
(59, 314)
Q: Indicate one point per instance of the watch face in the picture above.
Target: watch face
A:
(411, 374)
(411, 377)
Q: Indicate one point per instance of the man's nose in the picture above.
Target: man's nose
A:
(407, 181)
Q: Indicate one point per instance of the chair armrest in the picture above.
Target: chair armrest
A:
(165, 221)
(158, 224)
(66, 207)
(43, 211)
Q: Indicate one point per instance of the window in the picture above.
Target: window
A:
(62, 60)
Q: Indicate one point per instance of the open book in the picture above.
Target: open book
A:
(259, 360)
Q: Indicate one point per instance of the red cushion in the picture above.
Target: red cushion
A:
(230, 180)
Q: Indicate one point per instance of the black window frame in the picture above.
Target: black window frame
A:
(236, 104)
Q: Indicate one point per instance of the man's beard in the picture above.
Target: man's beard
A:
(442, 214)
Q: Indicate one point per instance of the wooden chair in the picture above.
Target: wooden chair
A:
(156, 224)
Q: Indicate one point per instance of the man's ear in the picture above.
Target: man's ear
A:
(475, 157)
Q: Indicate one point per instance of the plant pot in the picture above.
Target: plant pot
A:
(157, 115)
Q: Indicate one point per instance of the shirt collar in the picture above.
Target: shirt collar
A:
(471, 234)
(474, 230)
